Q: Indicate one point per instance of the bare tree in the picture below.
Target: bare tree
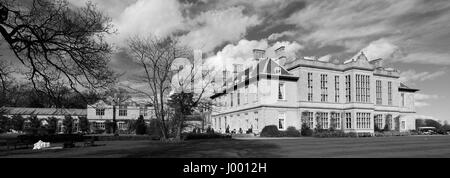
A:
(57, 42)
(5, 75)
(162, 75)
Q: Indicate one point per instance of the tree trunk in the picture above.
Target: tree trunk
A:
(114, 120)
(179, 128)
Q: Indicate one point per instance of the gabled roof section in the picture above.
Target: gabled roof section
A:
(405, 88)
(268, 66)
(265, 67)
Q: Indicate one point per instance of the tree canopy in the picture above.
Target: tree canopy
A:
(58, 42)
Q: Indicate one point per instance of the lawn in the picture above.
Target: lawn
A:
(408, 146)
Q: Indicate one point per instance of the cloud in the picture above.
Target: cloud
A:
(213, 28)
(413, 76)
(414, 29)
(276, 36)
(381, 48)
(340, 21)
(113, 8)
(426, 58)
(325, 58)
(242, 52)
(422, 100)
(146, 17)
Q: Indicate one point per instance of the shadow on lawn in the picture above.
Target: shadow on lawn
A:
(216, 148)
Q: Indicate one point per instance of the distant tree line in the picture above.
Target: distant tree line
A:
(24, 95)
(440, 128)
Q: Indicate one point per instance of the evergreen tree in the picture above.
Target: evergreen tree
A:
(141, 127)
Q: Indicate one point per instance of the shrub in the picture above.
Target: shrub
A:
(68, 124)
(83, 124)
(249, 130)
(34, 122)
(109, 126)
(292, 132)
(443, 129)
(154, 129)
(17, 122)
(270, 131)
(376, 128)
(4, 123)
(338, 133)
(209, 130)
(52, 125)
(391, 134)
(386, 128)
(141, 127)
(306, 131)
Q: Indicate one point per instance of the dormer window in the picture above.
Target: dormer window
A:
(277, 70)
(122, 110)
(100, 111)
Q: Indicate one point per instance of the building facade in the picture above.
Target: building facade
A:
(355, 96)
(44, 113)
(102, 111)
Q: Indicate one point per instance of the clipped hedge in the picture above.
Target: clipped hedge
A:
(194, 136)
(391, 134)
(339, 133)
(292, 132)
(270, 131)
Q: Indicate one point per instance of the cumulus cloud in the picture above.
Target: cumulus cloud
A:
(215, 27)
(242, 52)
(148, 17)
(381, 48)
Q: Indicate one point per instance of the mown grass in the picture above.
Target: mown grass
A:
(407, 146)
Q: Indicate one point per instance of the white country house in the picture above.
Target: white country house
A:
(358, 94)
(102, 111)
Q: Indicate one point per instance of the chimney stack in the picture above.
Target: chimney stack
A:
(258, 54)
(281, 55)
(224, 77)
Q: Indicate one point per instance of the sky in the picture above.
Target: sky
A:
(412, 36)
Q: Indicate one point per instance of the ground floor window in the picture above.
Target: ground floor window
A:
(403, 125)
(309, 119)
(389, 121)
(122, 126)
(281, 121)
(323, 120)
(348, 120)
(99, 125)
(363, 120)
(378, 121)
(337, 120)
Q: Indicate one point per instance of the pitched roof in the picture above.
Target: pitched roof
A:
(265, 66)
(42, 111)
(403, 87)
